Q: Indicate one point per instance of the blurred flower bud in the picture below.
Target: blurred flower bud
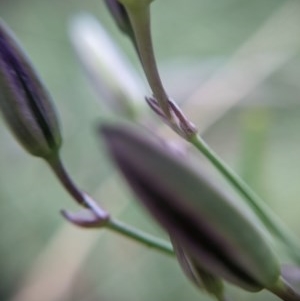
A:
(206, 218)
(85, 218)
(113, 77)
(24, 102)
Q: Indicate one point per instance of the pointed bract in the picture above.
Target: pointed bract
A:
(206, 218)
(24, 102)
(85, 218)
(200, 277)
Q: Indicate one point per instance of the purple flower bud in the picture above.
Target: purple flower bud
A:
(205, 217)
(121, 18)
(24, 102)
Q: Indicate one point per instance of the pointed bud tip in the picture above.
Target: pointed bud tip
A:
(118, 132)
(106, 130)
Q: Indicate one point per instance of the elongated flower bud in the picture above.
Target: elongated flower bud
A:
(207, 219)
(24, 102)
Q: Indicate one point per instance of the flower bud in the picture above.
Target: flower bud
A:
(205, 217)
(120, 16)
(199, 276)
(24, 102)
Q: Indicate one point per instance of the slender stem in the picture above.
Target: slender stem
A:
(61, 173)
(271, 221)
(78, 195)
(140, 236)
(85, 200)
(284, 291)
(140, 21)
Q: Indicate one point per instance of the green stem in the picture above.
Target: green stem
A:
(78, 195)
(284, 291)
(85, 200)
(140, 236)
(140, 21)
(270, 220)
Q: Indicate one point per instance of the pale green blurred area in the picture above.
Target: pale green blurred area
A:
(41, 257)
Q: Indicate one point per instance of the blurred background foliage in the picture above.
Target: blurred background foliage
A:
(233, 64)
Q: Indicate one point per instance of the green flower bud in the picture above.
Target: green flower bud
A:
(205, 217)
(24, 102)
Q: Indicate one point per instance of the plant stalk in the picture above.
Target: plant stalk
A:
(85, 200)
(140, 21)
(140, 236)
(269, 219)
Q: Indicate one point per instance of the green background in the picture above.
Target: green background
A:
(43, 258)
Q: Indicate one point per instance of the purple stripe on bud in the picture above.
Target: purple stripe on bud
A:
(24, 102)
(208, 221)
